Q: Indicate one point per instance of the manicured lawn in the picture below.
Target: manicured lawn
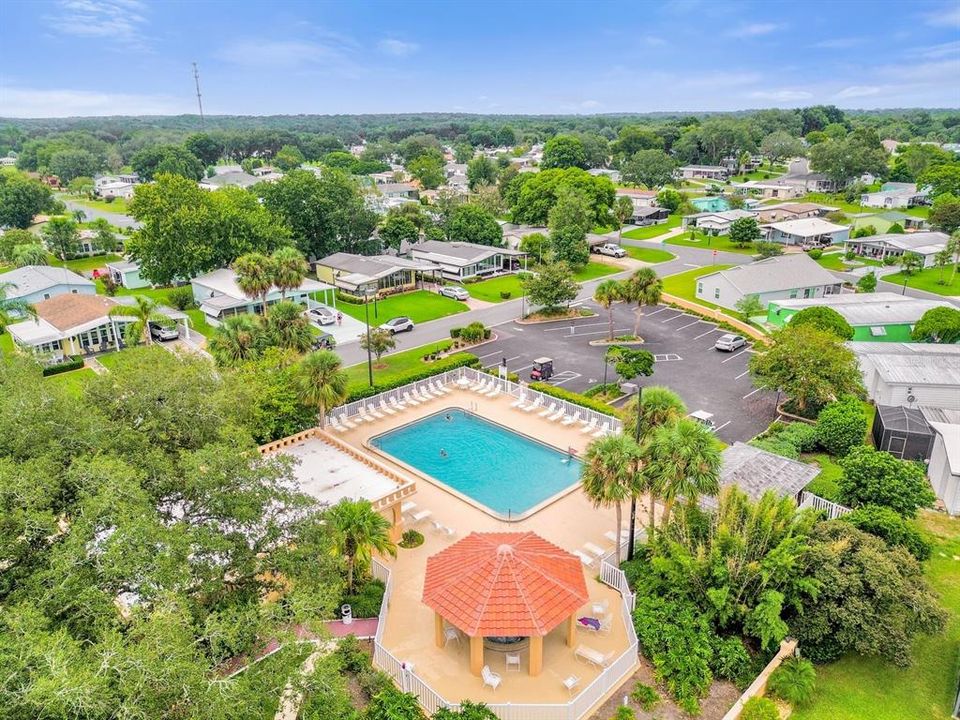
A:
(198, 322)
(601, 229)
(118, 206)
(593, 270)
(6, 344)
(764, 174)
(856, 688)
(825, 484)
(838, 261)
(650, 255)
(706, 242)
(927, 280)
(109, 360)
(839, 201)
(394, 366)
(652, 231)
(489, 290)
(74, 381)
(419, 306)
(84, 264)
(684, 284)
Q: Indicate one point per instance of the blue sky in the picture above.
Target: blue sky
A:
(102, 57)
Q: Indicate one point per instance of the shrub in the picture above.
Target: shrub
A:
(645, 696)
(777, 447)
(760, 708)
(74, 363)
(731, 661)
(794, 681)
(374, 682)
(181, 297)
(449, 363)
(824, 318)
(841, 426)
(891, 528)
(849, 254)
(802, 436)
(455, 332)
(505, 294)
(352, 656)
(890, 261)
(874, 477)
(575, 398)
(474, 332)
(624, 712)
(411, 539)
(815, 254)
(365, 603)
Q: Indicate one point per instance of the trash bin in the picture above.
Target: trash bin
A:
(346, 614)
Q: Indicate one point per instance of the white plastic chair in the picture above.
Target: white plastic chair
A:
(534, 405)
(490, 678)
(549, 411)
(407, 398)
(386, 408)
(571, 419)
(590, 426)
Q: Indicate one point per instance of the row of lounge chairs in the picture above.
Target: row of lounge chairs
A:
(555, 412)
(488, 388)
(373, 411)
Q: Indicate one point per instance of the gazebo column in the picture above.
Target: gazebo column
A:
(476, 654)
(571, 630)
(438, 629)
(536, 655)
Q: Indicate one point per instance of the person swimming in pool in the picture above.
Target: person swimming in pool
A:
(448, 417)
(443, 453)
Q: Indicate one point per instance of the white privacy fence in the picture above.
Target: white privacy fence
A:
(831, 509)
(609, 678)
(470, 375)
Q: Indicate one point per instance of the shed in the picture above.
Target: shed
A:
(903, 432)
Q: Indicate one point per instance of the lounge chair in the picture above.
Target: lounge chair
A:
(439, 389)
(373, 411)
(592, 656)
(604, 430)
(557, 415)
(518, 403)
(549, 411)
(571, 419)
(494, 388)
(420, 396)
(407, 398)
(386, 408)
(534, 405)
(590, 426)
(603, 627)
(335, 424)
(495, 393)
(490, 678)
(594, 549)
(347, 423)
(397, 405)
(419, 517)
(484, 388)
(407, 507)
(478, 384)
(363, 415)
(584, 558)
(600, 607)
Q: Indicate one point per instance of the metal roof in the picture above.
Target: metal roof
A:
(36, 278)
(918, 370)
(785, 272)
(881, 308)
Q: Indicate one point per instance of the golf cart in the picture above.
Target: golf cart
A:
(542, 369)
(705, 418)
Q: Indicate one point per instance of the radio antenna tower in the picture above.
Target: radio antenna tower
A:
(196, 79)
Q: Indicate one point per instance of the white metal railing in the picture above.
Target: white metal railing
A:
(833, 510)
(610, 677)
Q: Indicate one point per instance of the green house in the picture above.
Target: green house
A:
(877, 317)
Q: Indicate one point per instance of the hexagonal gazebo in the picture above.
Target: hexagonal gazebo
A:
(504, 585)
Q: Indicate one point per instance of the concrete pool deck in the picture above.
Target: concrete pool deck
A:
(569, 521)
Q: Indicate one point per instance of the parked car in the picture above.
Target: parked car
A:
(322, 315)
(729, 343)
(324, 341)
(163, 333)
(455, 291)
(542, 369)
(398, 324)
(612, 249)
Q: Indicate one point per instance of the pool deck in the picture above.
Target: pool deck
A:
(569, 521)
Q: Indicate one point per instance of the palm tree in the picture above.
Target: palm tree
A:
(143, 311)
(254, 276)
(606, 294)
(683, 461)
(321, 382)
(643, 288)
(31, 254)
(910, 263)
(360, 530)
(611, 474)
(953, 245)
(289, 269)
(622, 211)
(287, 326)
(237, 339)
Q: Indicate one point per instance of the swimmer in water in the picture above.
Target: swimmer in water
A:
(448, 417)
(443, 453)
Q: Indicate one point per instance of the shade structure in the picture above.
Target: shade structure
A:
(492, 584)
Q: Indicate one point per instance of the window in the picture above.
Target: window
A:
(878, 331)
(73, 292)
(793, 294)
(46, 296)
(699, 288)
(716, 293)
(806, 292)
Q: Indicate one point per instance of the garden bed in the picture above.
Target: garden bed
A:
(540, 317)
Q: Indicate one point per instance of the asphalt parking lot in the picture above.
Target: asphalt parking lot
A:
(686, 362)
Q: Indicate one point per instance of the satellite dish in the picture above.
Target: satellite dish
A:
(911, 398)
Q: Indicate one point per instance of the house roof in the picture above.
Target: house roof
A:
(224, 282)
(235, 178)
(725, 215)
(504, 584)
(755, 471)
(923, 243)
(784, 272)
(882, 308)
(68, 311)
(704, 167)
(458, 253)
(123, 266)
(395, 187)
(806, 227)
(36, 278)
(644, 211)
(360, 269)
(796, 208)
(918, 370)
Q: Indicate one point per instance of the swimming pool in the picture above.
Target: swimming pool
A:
(502, 470)
(710, 204)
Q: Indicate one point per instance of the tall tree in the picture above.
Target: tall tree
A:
(622, 211)
(569, 223)
(61, 237)
(683, 461)
(481, 170)
(605, 295)
(651, 168)
(238, 338)
(360, 530)
(644, 287)
(564, 151)
(611, 469)
(255, 276)
(144, 311)
(322, 383)
(289, 269)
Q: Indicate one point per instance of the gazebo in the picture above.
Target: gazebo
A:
(505, 586)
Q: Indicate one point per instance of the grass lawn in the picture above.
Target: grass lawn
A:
(839, 201)
(118, 206)
(927, 280)
(601, 229)
(84, 264)
(825, 484)
(393, 366)
(6, 344)
(109, 360)
(420, 306)
(684, 284)
(593, 270)
(652, 231)
(856, 688)
(74, 381)
(764, 174)
(489, 290)
(705, 242)
(650, 255)
(838, 261)
(198, 322)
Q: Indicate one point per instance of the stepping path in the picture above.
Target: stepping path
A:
(95, 365)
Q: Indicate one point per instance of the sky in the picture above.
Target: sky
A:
(133, 57)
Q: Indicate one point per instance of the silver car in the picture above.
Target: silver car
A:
(322, 315)
(455, 291)
(729, 343)
(399, 324)
(163, 333)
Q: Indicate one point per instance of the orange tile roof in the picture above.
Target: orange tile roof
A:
(504, 584)
(67, 311)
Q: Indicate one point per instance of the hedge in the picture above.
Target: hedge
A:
(575, 398)
(74, 363)
(449, 363)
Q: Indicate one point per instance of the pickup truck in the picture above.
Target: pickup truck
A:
(612, 250)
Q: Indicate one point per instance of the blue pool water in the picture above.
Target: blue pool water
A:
(503, 470)
(710, 204)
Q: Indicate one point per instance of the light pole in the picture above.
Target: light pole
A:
(366, 309)
(633, 497)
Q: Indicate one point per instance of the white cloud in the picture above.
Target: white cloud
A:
(590, 104)
(120, 21)
(948, 16)
(783, 95)
(839, 43)
(283, 54)
(858, 91)
(397, 48)
(755, 29)
(33, 103)
(942, 51)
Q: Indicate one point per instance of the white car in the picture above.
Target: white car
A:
(729, 343)
(163, 333)
(612, 250)
(322, 315)
(455, 291)
(398, 324)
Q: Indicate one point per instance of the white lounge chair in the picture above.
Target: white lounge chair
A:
(373, 411)
(494, 388)
(495, 393)
(335, 424)
(592, 656)
(490, 677)
(419, 517)
(584, 558)
(478, 384)
(557, 415)
(484, 388)
(345, 422)
(419, 396)
(363, 415)
(604, 429)
(606, 625)
(571, 419)
(519, 402)
(600, 607)
(594, 549)
(534, 405)
(407, 507)
(549, 411)
(439, 389)
(397, 405)
(407, 398)
(589, 427)
(386, 408)
(612, 536)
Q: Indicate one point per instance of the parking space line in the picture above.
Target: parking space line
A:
(716, 430)
(688, 325)
(566, 328)
(673, 318)
(602, 332)
(734, 356)
(706, 333)
(745, 372)
(657, 311)
(491, 354)
(752, 392)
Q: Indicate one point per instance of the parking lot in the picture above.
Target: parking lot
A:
(682, 345)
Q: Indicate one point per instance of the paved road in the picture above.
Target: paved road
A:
(117, 219)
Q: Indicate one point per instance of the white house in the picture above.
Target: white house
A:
(462, 260)
(924, 244)
(703, 172)
(806, 232)
(219, 296)
(944, 466)
(896, 195)
(769, 189)
(357, 274)
(126, 273)
(35, 283)
(910, 374)
(790, 211)
(715, 223)
(115, 186)
(776, 278)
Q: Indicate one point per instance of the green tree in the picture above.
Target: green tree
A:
(844, 159)
(611, 466)
(286, 327)
(812, 366)
(779, 145)
(463, 153)
(938, 325)
(537, 245)
(867, 283)
(629, 363)
(889, 526)
(428, 169)
(481, 170)
(255, 274)
(61, 237)
(769, 249)
(563, 151)
(238, 338)
(622, 212)
(70, 164)
(321, 382)
(644, 287)
(823, 318)
(940, 261)
(378, 341)
(651, 168)
(682, 461)
(144, 311)
(605, 295)
(471, 223)
(942, 179)
(104, 240)
(396, 229)
(569, 222)
(744, 232)
(204, 147)
(551, 287)
(633, 138)
(841, 426)
(288, 158)
(31, 254)
(911, 263)
(749, 306)
(531, 196)
(944, 214)
(794, 681)
(166, 159)
(360, 530)
(391, 704)
(670, 199)
(289, 269)
(13, 237)
(22, 199)
(875, 477)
